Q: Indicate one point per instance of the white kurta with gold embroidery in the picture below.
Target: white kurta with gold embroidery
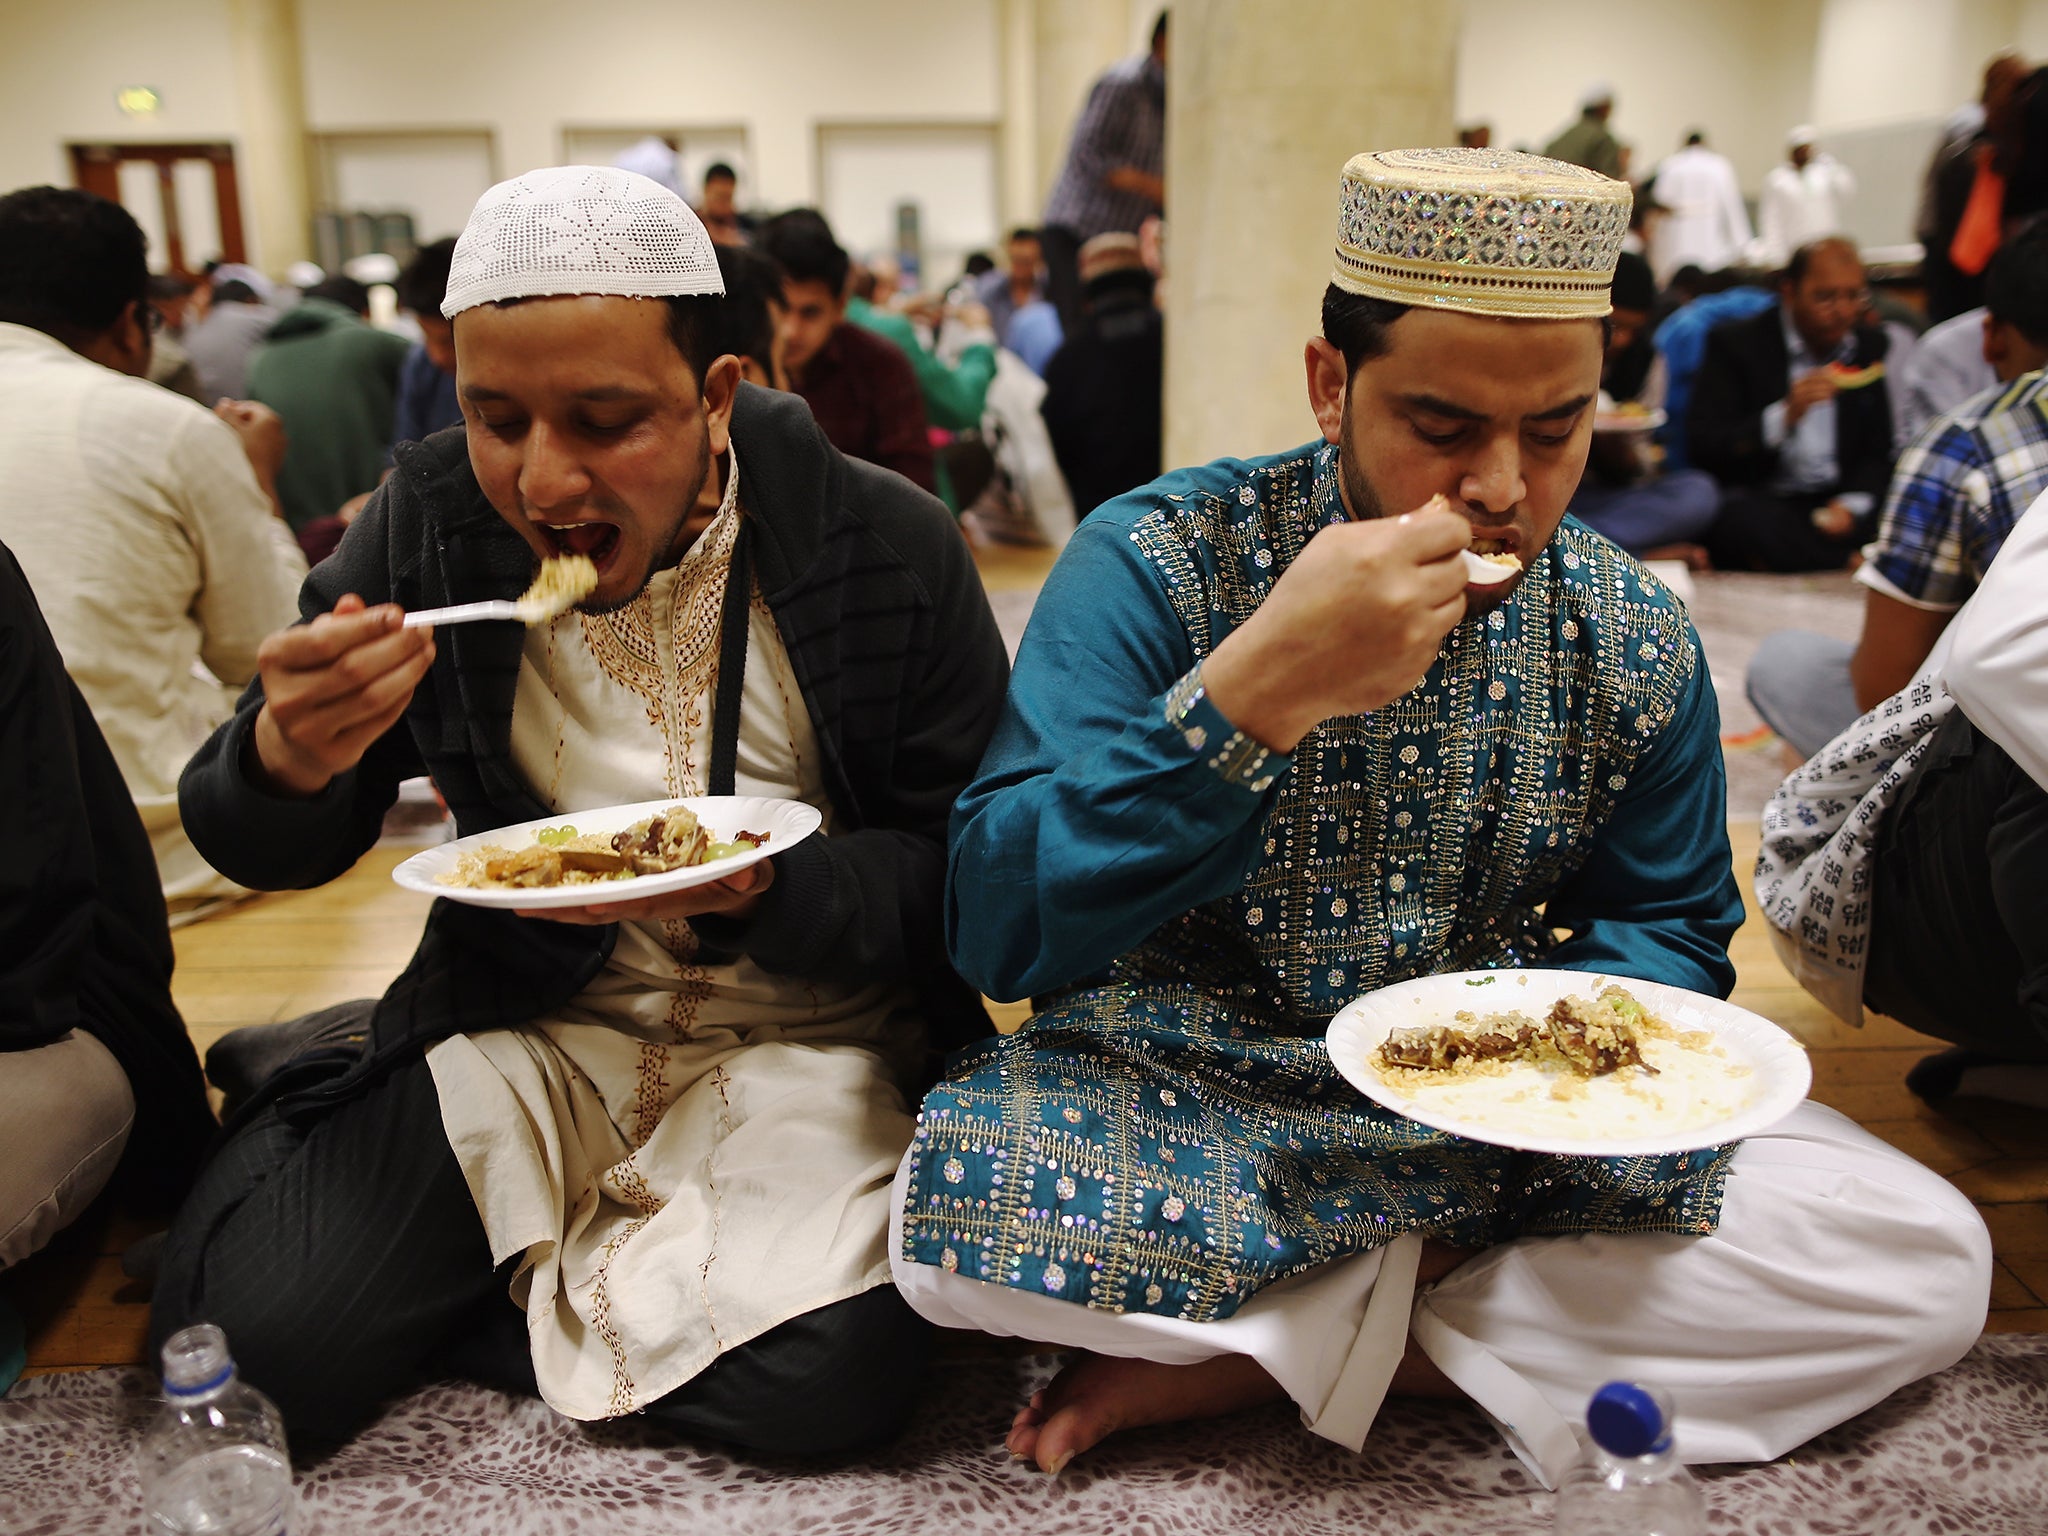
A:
(688, 1154)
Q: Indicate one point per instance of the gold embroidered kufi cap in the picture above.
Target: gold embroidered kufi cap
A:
(1488, 231)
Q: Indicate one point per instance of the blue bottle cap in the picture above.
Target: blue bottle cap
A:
(1627, 1420)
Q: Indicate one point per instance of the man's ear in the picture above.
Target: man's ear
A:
(1329, 378)
(721, 384)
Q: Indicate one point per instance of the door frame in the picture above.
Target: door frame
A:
(96, 168)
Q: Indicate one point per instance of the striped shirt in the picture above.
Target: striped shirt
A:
(1957, 492)
(1123, 124)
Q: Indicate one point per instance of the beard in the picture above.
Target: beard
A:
(1365, 504)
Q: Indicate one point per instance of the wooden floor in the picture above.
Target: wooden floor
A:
(279, 956)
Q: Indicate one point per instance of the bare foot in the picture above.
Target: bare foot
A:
(1099, 1394)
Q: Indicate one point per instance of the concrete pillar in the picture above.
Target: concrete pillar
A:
(1264, 104)
(272, 157)
(1017, 135)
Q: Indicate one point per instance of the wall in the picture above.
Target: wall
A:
(60, 65)
(523, 68)
(1741, 70)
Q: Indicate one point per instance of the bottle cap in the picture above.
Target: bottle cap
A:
(1627, 1420)
(196, 1360)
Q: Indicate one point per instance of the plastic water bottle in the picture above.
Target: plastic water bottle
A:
(213, 1462)
(1630, 1482)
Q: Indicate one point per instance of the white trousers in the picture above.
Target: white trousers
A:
(1841, 1270)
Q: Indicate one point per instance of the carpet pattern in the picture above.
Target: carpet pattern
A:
(1963, 1452)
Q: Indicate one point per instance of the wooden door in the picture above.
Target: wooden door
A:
(145, 179)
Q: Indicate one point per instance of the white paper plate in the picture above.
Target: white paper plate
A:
(1628, 421)
(787, 823)
(1608, 1121)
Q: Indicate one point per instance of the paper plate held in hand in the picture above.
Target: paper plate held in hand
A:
(1723, 1072)
(782, 824)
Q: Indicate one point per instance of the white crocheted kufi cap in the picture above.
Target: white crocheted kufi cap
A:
(576, 229)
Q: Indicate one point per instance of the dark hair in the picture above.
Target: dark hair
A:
(424, 282)
(1802, 259)
(1695, 137)
(1024, 232)
(1634, 285)
(800, 242)
(2016, 281)
(235, 291)
(345, 291)
(1357, 326)
(741, 323)
(692, 322)
(718, 170)
(70, 262)
(977, 263)
(1159, 30)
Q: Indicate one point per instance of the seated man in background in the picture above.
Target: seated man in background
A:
(635, 1157)
(1266, 750)
(1105, 387)
(333, 379)
(747, 324)
(1956, 494)
(1967, 354)
(1018, 285)
(1791, 412)
(141, 519)
(97, 1074)
(862, 389)
(426, 401)
(169, 363)
(1625, 496)
(1905, 868)
(222, 340)
(719, 208)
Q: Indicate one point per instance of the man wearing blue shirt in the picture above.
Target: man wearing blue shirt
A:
(1266, 748)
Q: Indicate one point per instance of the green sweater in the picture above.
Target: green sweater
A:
(953, 397)
(334, 381)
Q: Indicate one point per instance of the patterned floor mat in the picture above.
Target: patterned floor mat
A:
(1963, 1452)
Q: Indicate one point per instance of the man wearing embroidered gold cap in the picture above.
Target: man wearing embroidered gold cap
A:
(1220, 805)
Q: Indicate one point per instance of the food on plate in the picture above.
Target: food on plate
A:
(668, 840)
(1580, 1039)
(1846, 377)
(562, 582)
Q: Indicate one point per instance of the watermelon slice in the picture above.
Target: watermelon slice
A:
(1846, 377)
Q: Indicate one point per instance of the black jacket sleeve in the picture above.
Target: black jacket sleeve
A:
(273, 842)
(47, 880)
(1725, 422)
(870, 904)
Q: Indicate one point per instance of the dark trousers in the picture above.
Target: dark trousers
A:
(1061, 249)
(1759, 531)
(1959, 905)
(347, 1263)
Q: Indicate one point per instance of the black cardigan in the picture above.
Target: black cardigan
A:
(84, 942)
(1747, 368)
(890, 637)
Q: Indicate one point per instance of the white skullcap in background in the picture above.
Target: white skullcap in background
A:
(1805, 134)
(577, 229)
(1594, 95)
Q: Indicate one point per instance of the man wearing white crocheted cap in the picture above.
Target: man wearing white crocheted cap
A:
(634, 1155)
(1279, 738)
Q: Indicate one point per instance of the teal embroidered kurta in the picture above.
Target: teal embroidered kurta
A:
(1167, 1133)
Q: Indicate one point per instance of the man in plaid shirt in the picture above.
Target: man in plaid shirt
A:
(1954, 497)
